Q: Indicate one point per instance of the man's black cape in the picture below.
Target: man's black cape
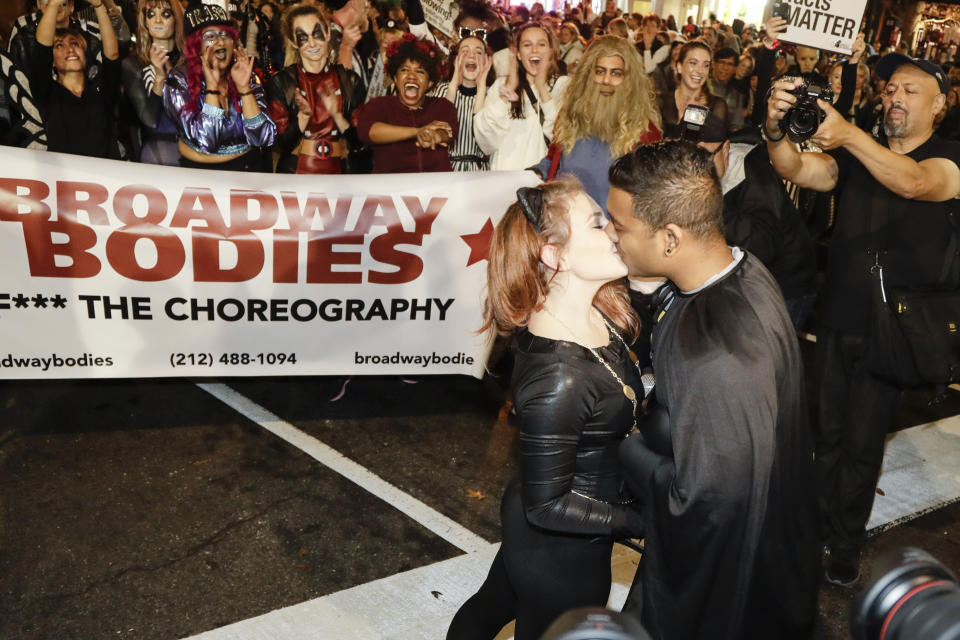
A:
(731, 546)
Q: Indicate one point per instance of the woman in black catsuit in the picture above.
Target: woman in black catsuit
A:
(575, 391)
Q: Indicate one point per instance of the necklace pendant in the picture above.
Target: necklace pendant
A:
(629, 392)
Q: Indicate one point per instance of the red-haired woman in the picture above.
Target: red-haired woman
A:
(311, 100)
(159, 47)
(550, 283)
(409, 132)
(217, 103)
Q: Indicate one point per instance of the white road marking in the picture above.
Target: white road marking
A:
(919, 476)
(435, 521)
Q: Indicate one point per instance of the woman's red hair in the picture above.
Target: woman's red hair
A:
(518, 282)
(193, 59)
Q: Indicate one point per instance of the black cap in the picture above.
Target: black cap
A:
(893, 61)
(199, 16)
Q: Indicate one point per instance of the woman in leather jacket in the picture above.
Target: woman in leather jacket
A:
(554, 282)
(159, 48)
(312, 100)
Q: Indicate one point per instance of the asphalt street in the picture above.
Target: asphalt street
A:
(151, 509)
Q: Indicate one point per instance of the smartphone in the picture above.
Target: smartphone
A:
(782, 10)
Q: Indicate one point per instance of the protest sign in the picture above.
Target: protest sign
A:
(440, 14)
(831, 25)
(116, 269)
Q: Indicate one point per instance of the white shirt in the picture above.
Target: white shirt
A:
(516, 144)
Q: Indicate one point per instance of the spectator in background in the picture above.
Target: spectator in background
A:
(693, 70)
(311, 101)
(608, 109)
(721, 85)
(410, 132)
(570, 45)
(617, 27)
(609, 13)
(467, 90)
(78, 112)
(517, 119)
(654, 52)
(120, 27)
(218, 104)
(160, 43)
(23, 40)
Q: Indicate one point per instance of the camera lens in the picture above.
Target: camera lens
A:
(803, 123)
(915, 597)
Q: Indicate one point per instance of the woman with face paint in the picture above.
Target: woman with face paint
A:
(467, 90)
(516, 123)
(159, 48)
(410, 132)
(218, 104)
(312, 100)
(77, 111)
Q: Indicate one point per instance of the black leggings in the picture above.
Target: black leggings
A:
(536, 576)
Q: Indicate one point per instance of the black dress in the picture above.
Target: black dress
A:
(561, 515)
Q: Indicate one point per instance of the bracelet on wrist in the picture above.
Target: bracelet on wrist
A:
(245, 93)
(211, 92)
(766, 134)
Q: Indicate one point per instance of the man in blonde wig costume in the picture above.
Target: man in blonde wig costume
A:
(608, 109)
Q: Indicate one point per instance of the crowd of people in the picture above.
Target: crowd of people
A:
(652, 286)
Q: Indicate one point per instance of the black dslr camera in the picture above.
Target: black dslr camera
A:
(914, 598)
(803, 119)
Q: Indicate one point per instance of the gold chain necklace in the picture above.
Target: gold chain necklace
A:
(627, 389)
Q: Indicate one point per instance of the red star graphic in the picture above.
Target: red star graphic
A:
(479, 243)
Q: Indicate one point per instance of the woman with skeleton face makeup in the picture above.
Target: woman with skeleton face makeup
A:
(467, 90)
(312, 100)
(218, 104)
(77, 110)
(159, 47)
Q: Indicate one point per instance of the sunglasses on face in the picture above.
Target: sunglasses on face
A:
(476, 33)
(213, 35)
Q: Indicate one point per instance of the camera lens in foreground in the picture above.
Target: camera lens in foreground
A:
(912, 597)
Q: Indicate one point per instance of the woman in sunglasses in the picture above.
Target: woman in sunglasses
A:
(554, 281)
(467, 90)
(217, 103)
(159, 46)
(311, 101)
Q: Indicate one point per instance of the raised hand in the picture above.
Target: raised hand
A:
(856, 51)
(160, 59)
(242, 69)
(211, 71)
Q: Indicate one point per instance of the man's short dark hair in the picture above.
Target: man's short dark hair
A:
(725, 54)
(672, 182)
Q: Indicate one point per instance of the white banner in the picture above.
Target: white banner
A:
(116, 269)
(831, 25)
(440, 14)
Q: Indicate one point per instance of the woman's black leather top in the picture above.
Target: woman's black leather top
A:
(573, 416)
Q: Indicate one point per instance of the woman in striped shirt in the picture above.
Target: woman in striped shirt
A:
(467, 90)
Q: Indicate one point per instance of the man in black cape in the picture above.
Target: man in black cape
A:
(726, 472)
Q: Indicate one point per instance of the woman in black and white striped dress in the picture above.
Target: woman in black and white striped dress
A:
(467, 90)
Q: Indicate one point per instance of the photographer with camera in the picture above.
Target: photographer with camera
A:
(894, 200)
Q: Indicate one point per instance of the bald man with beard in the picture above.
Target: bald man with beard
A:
(894, 195)
(608, 109)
